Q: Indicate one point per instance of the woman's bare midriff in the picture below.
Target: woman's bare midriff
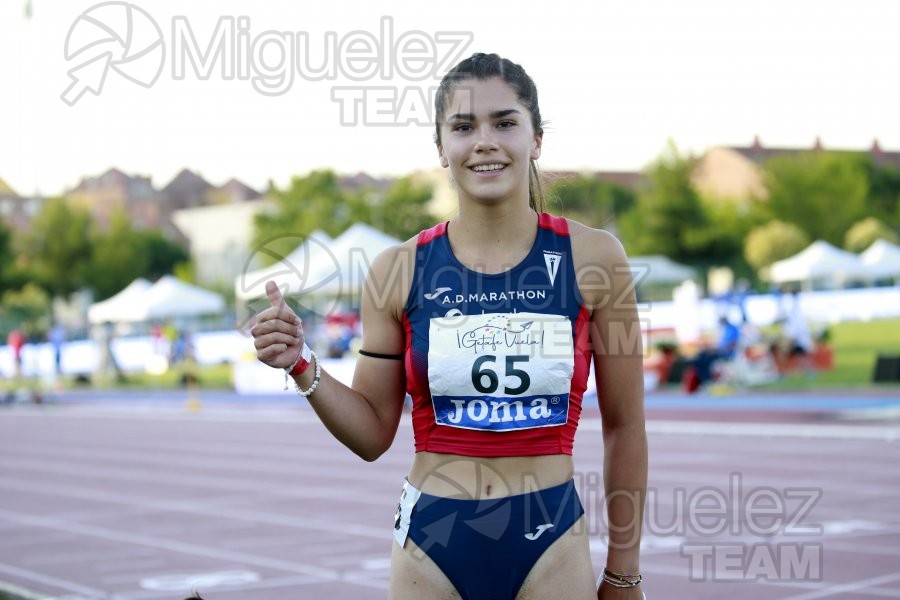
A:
(468, 477)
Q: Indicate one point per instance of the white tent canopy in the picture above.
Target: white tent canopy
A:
(882, 260)
(819, 261)
(320, 267)
(353, 252)
(121, 306)
(168, 297)
(659, 269)
(171, 297)
(288, 271)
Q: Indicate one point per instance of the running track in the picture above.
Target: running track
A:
(137, 496)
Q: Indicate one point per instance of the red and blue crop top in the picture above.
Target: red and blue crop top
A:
(496, 364)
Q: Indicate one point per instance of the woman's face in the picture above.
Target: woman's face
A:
(487, 141)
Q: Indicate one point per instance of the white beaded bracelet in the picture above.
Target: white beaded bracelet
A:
(315, 381)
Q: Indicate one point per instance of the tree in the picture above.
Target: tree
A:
(7, 256)
(121, 254)
(162, 256)
(315, 201)
(27, 308)
(822, 193)
(668, 216)
(116, 259)
(590, 200)
(403, 211)
(864, 233)
(728, 224)
(883, 201)
(58, 247)
(772, 242)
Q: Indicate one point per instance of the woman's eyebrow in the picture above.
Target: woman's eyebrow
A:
(494, 115)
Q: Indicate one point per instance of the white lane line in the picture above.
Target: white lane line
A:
(301, 416)
(288, 463)
(170, 545)
(284, 460)
(263, 584)
(703, 478)
(779, 430)
(198, 508)
(63, 584)
(863, 585)
(192, 481)
(173, 412)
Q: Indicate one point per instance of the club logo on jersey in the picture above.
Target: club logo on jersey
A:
(552, 260)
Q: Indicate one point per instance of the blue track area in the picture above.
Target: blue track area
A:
(804, 401)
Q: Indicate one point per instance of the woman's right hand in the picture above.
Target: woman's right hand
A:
(278, 333)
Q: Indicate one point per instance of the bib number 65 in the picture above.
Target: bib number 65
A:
(480, 372)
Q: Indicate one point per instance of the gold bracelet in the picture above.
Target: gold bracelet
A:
(315, 381)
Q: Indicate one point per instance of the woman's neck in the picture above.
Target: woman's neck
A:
(492, 238)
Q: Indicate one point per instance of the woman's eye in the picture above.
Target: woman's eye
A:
(506, 124)
(462, 127)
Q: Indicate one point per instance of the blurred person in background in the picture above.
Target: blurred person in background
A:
(16, 341)
(57, 337)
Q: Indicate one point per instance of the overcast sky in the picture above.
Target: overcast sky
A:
(616, 80)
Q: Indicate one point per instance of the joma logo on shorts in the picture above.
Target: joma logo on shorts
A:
(499, 411)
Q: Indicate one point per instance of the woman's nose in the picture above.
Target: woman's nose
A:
(486, 139)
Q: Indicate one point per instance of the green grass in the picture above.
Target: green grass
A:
(218, 376)
(856, 346)
(8, 594)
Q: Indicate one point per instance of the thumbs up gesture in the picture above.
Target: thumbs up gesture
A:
(278, 333)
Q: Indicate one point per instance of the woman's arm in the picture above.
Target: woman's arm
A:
(365, 416)
(608, 290)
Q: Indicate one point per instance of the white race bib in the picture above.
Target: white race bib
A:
(500, 372)
(408, 498)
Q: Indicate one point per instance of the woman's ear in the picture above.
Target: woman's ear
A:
(536, 149)
(444, 162)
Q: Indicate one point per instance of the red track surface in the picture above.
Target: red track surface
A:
(110, 501)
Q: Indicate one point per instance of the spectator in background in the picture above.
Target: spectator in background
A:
(796, 333)
(703, 366)
(728, 339)
(156, 333)
(16, 340)
(57, 337)
(739, 297)
(182, 348)
(108, 365)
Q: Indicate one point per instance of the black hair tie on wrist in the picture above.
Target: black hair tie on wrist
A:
(385, 356)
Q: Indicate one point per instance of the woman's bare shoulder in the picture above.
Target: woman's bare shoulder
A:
(391, 274)
(595, 246)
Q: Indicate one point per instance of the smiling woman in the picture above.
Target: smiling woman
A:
(501, 87)
(490, 321)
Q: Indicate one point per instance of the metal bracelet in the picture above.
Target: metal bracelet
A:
(621, 580)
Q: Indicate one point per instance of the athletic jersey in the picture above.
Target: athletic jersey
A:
(496, 364)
